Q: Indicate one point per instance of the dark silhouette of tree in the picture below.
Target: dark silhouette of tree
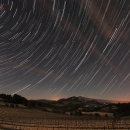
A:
(19, 99)
(3, 96)
(9, 98)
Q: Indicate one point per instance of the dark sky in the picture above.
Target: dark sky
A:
(51, 49)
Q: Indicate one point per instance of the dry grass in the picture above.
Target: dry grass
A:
(26, 119)
(102, 114)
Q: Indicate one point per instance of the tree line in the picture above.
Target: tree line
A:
(17, 99)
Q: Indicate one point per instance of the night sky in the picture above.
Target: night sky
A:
(51, 49)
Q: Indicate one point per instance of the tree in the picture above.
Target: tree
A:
(3, 96)
(8, 98)
(19, 99)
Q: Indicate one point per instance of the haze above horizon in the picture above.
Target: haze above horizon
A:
(60, 48)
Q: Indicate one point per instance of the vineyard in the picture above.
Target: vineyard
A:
(26, 119)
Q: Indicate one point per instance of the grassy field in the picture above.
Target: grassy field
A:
(102, 114)
(32, 119)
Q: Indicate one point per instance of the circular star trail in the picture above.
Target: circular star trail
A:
(60, 48)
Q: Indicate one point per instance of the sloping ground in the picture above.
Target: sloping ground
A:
(67, 124)
(25, 119)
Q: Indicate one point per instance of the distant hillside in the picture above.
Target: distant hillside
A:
(72, 105)
(76, 99)
(43, 100)
(86, 99)
(79, 99)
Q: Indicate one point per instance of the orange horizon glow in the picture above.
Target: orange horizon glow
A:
(120, 101)
(55, 99)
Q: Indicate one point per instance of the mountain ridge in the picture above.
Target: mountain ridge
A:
(84, 99)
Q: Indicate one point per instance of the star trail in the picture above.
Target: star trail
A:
(51, 49)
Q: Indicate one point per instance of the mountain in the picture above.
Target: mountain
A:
(43, 100)
(84, 100)
(76, 100)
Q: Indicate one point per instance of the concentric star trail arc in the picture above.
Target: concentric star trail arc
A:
(59, 48)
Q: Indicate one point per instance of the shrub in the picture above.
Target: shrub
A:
(16, 105)
(7, 105)
(97, 114)
(106, 115)
(90, 114)
(30, 105)
(11, 105)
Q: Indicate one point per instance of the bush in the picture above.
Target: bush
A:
(96, 114)
(12, 105)
(76, 113)
(90, 114)
(30, 105)
(106, 115)
(7, 105)
(16, 105)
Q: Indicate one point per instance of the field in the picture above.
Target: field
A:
(32, 119)
(102, 114)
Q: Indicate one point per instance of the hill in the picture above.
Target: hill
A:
(72, 105)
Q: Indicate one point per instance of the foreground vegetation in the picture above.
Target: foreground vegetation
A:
(16, 112)
(33, 119)
(71, 106)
